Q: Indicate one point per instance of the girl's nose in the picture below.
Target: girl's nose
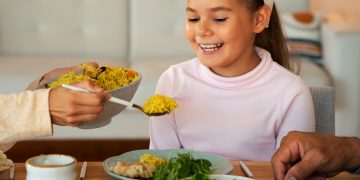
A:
(203, 30)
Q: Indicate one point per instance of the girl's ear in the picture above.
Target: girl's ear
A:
(261, 19)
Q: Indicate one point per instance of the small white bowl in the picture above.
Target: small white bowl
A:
(51, 167)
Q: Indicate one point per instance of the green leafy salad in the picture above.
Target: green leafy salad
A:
(183, 166)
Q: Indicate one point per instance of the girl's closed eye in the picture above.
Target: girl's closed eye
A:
(193, 19)
(220, 19)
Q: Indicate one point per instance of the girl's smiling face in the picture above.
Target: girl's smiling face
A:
(222, 34)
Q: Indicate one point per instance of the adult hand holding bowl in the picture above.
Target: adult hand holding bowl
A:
(119, 82)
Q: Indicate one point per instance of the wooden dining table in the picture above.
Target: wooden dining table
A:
(95, 171)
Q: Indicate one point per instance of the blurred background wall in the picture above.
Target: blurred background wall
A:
(347, 8)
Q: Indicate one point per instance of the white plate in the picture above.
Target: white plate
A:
(219, 164)
(227, 177)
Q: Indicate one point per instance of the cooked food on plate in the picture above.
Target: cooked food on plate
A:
(135, 170)
(105, 76)
(152, 159)
(157, 168)
(144, 169)
(5, 163)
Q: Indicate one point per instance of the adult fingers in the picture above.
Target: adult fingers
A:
(73, 120)
(83, 109)
(279, 165)
(87, 99)
(285, 156)
(77, 120)
(77, 68)
(279, 171)
(301, 170)
(93, 63)
(92, 87)
(74, 97)
(74, 102)
(282, 161)
(89, 85)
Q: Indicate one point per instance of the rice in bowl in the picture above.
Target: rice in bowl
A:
(118, 81)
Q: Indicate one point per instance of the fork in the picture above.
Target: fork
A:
(12, 172)
(83, 170)
(246, 169)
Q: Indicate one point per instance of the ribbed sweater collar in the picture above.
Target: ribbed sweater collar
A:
(240, 81)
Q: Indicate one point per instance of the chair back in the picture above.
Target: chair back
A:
(324, 104)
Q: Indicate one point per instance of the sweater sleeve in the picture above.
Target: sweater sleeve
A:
(297, 110)
(23, 116)
(162, 129)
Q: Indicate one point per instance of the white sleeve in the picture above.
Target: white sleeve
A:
(24, 115)
(297, 111)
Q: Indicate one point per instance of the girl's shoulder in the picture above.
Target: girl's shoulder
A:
(287, 78)
(276, 71)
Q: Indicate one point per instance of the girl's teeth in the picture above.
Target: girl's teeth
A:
(210, 47)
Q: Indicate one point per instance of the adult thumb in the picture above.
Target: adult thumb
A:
(301, 170)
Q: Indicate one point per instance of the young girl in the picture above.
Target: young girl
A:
(238, 98)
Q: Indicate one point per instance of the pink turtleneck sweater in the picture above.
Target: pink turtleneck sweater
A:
(240, 118)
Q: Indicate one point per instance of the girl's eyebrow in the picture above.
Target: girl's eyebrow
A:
(220, 8)
(214, 9)
(189, 9)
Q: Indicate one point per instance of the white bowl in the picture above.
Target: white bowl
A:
(111, 109)
(51, 167)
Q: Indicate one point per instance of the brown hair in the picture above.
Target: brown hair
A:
(272, 38)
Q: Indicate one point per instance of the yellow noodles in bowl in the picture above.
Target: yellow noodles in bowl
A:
(106, 77)
(160, 104)
(119, 82)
